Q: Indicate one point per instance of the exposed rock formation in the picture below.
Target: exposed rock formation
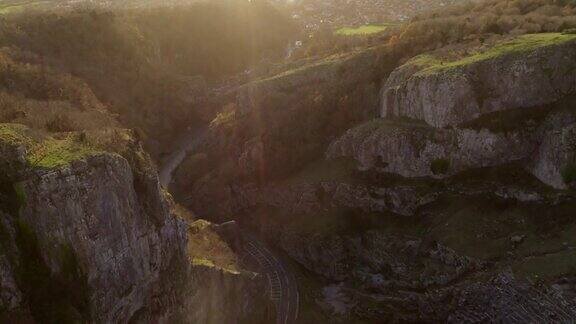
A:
(10, 293)
(547, 148)
(308, 198)
(90, 212)
(450, 93)
(501, 299)
(89, 235)
(557, 151)
(467, 165)
(416, 151)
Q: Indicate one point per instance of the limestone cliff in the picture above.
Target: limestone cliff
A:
(475, 151)
(89, 235)
(507, 102)
(524, 72)
(417, 151)
(546, 149)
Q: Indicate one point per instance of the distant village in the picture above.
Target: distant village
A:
(312, 14)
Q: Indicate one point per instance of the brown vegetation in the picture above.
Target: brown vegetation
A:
(468, 22)
(138, 62)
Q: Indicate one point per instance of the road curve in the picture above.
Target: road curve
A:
(283, 290)
(186, 144)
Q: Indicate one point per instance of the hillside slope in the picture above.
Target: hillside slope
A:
(427, 174)
(152, 67)
(446, 171)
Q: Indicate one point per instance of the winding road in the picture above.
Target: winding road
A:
(282, 287)
(188, 143)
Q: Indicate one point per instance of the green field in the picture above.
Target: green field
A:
(10, 7)
(520, 44)
(362, 30)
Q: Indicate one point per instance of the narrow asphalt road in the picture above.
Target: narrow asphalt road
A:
(283, 290)
(282, 287)
(186, 144)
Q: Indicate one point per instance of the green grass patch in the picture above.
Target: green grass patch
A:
(521, 44)
(54, 153)
(206, 248)
(14, 134)
(324, 63)
(19, 6)
(49, 152)
(362, 30)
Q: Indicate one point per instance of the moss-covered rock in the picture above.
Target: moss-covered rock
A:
(528, 71)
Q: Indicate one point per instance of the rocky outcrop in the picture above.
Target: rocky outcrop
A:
(379, 262)
(500, 298)
(307, 198)
(503, 299)
(91, 214)
(556, 155)
(11, 296)
(346, 230)
(418, 151)
(89, 235)
(547, 150)
(451, 93)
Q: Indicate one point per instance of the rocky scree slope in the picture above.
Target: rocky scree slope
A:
(88, 235)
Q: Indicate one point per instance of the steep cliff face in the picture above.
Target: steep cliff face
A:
(546, 148)
(306, 105)
(525, 72)
(523, 86)
(89, 235)
(90, 214)
(380, 262)
(417, 151)
(89, 223)
(556, 155)
(467, 175)
(10, 294)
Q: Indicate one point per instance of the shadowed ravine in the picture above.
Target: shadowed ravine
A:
(282, 287)
(187, 143)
